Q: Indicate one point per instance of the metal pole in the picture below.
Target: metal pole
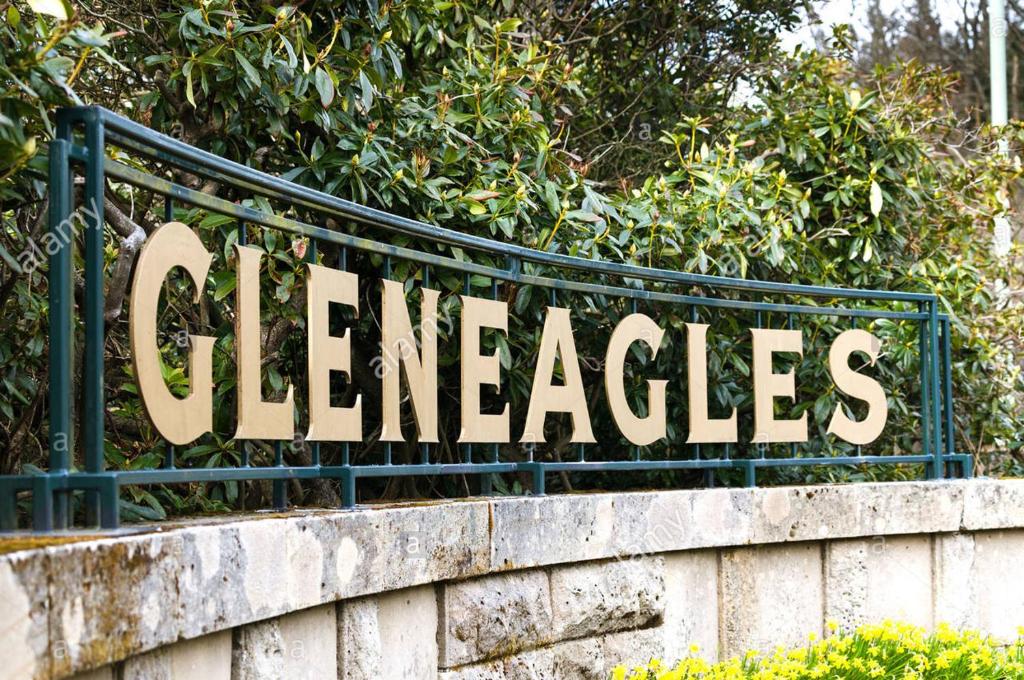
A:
(997, 30)
(997, 59)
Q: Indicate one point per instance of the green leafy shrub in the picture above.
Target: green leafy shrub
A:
(888, 650)
(454, 113)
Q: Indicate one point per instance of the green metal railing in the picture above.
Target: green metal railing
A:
(81, 147)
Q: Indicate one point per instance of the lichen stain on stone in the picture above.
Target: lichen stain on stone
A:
(36, 542)
(110, 625)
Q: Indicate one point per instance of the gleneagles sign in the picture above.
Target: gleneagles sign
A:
(182, 420)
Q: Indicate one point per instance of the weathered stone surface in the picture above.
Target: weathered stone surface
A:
(207, 657)
(95, 602)
(870, 580)
(582, 659)
(408, 631)
(258, 652)
(112, 597)
(493, 670)
(530, 532)
(537, 664)
(493, 616)
(24, 617)
(601, 597)
(579, 660)
(360, 654)
(310, 643)
(770, 595)
(105, 673)
(993, 504)
(857, 510)
(999, 587)
(389, 637)
(631, 648)
(691, 604)
(956, 597)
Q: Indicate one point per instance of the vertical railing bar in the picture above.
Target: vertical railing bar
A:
(947, 360)
(169, 450)
(44, 506)
(424, 453)
(634, 450)
(694, 319)
(243, 239)
(467, 287)
(314, 447)
(280, 491)
(762, 447)
(793, 450)
(94, 398)
(925, 405)
(933, 323)
(387, 275)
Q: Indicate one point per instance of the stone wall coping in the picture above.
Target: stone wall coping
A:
(73, 602)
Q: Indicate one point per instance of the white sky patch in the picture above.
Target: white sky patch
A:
(855, 12)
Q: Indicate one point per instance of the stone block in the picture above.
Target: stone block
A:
(1000, 589)
(493, 616)
(310, 644)
(389, 637)
(24, 617)
(380, 549)
(111, 598)
(258, 651)
(770, 595)
(813, 513)
(531, 532)
(360, 654)
(579, 660)
(408, 633)
(956, 593)
(602, 597)
(536, 664)
(993, 504)
(691, 604)
(885, 577)
(631, 648)
(207, 657)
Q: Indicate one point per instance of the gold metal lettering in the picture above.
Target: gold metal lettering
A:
(179, 421)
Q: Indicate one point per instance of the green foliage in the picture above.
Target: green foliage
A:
(455, 113)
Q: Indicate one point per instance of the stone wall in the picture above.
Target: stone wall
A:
(492, 589)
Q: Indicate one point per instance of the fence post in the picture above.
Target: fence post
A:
(47, 510)
(938, 466)
(94, 398)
